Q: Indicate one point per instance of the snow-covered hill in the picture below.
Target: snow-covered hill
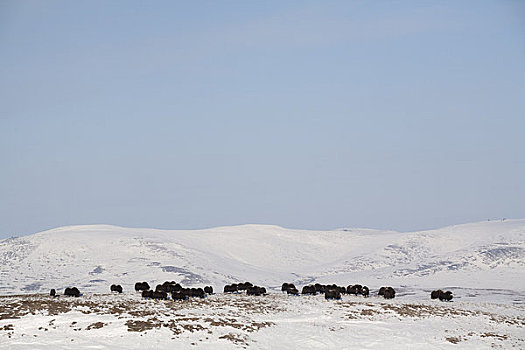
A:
(478, 255)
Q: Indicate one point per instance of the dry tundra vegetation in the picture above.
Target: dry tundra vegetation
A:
(235, 318)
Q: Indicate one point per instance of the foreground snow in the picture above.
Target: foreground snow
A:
(274, 321)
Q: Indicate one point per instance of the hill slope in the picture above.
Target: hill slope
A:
(477, 255)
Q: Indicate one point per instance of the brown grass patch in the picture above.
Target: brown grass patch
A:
(238, 339)
(141, 326)
(96, 325)
(453, 340)
(8, 327)
(494, 335)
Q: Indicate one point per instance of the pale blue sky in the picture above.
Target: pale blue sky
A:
(382, 114)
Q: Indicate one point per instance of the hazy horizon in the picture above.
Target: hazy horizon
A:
(266, 224)
(184, 115)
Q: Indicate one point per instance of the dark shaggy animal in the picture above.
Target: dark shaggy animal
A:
(308, 290)
(168, 287)
(244, 286)
(286, 286)
(53, 292)
(72, 292)
(230, 288)
(446, 296)
(256, 290)
(389, 293)
(289, 288)
(116, 288)
(208, 290)
(148, 294)
(443, 296)
(381, 291)
(187, 292)
(178, 296)
(354, 289)
(161, 288)
(332, 294)
(331, 286)
(292, 291)
(319, 288)
(140, 286)
(197, 292)
(365, 291)
(159, 295)
(435, 294)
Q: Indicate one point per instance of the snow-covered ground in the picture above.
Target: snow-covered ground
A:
(275, 321)
(483, 264)
(485, 255)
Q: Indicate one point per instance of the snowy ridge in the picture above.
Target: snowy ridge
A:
(92, 257)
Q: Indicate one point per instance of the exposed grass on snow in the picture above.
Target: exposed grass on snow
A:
(275, 320)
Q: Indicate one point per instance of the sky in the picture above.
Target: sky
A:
(402, 115)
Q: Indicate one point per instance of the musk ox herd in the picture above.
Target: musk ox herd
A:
(171, 289)
(174, 291)
(246, 286)
(330, 291)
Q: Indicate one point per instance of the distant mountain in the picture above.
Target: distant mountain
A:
(478, 255)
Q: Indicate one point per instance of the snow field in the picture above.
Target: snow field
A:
(274, 321)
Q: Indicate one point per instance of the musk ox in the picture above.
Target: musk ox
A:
(308, 290)
(443, 296)
(208, 290)
(435, 294)
(169, 286)
(289, 288)
(331, 286)
(197, 292)
(159, 295)
(244, 286)
(319, 288)
(365, 291)
(53, 292)
(256, 290)
(292, 291)
(286, 286)
(354, 289)
(187, 292)
(72, 292)
(446, 296)
(161, 288)
(332, 293)
(389, 293)
(230, 288)
(116, 288)
(381, 291)
(148, 294)
(178, 296)
(141, 286)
